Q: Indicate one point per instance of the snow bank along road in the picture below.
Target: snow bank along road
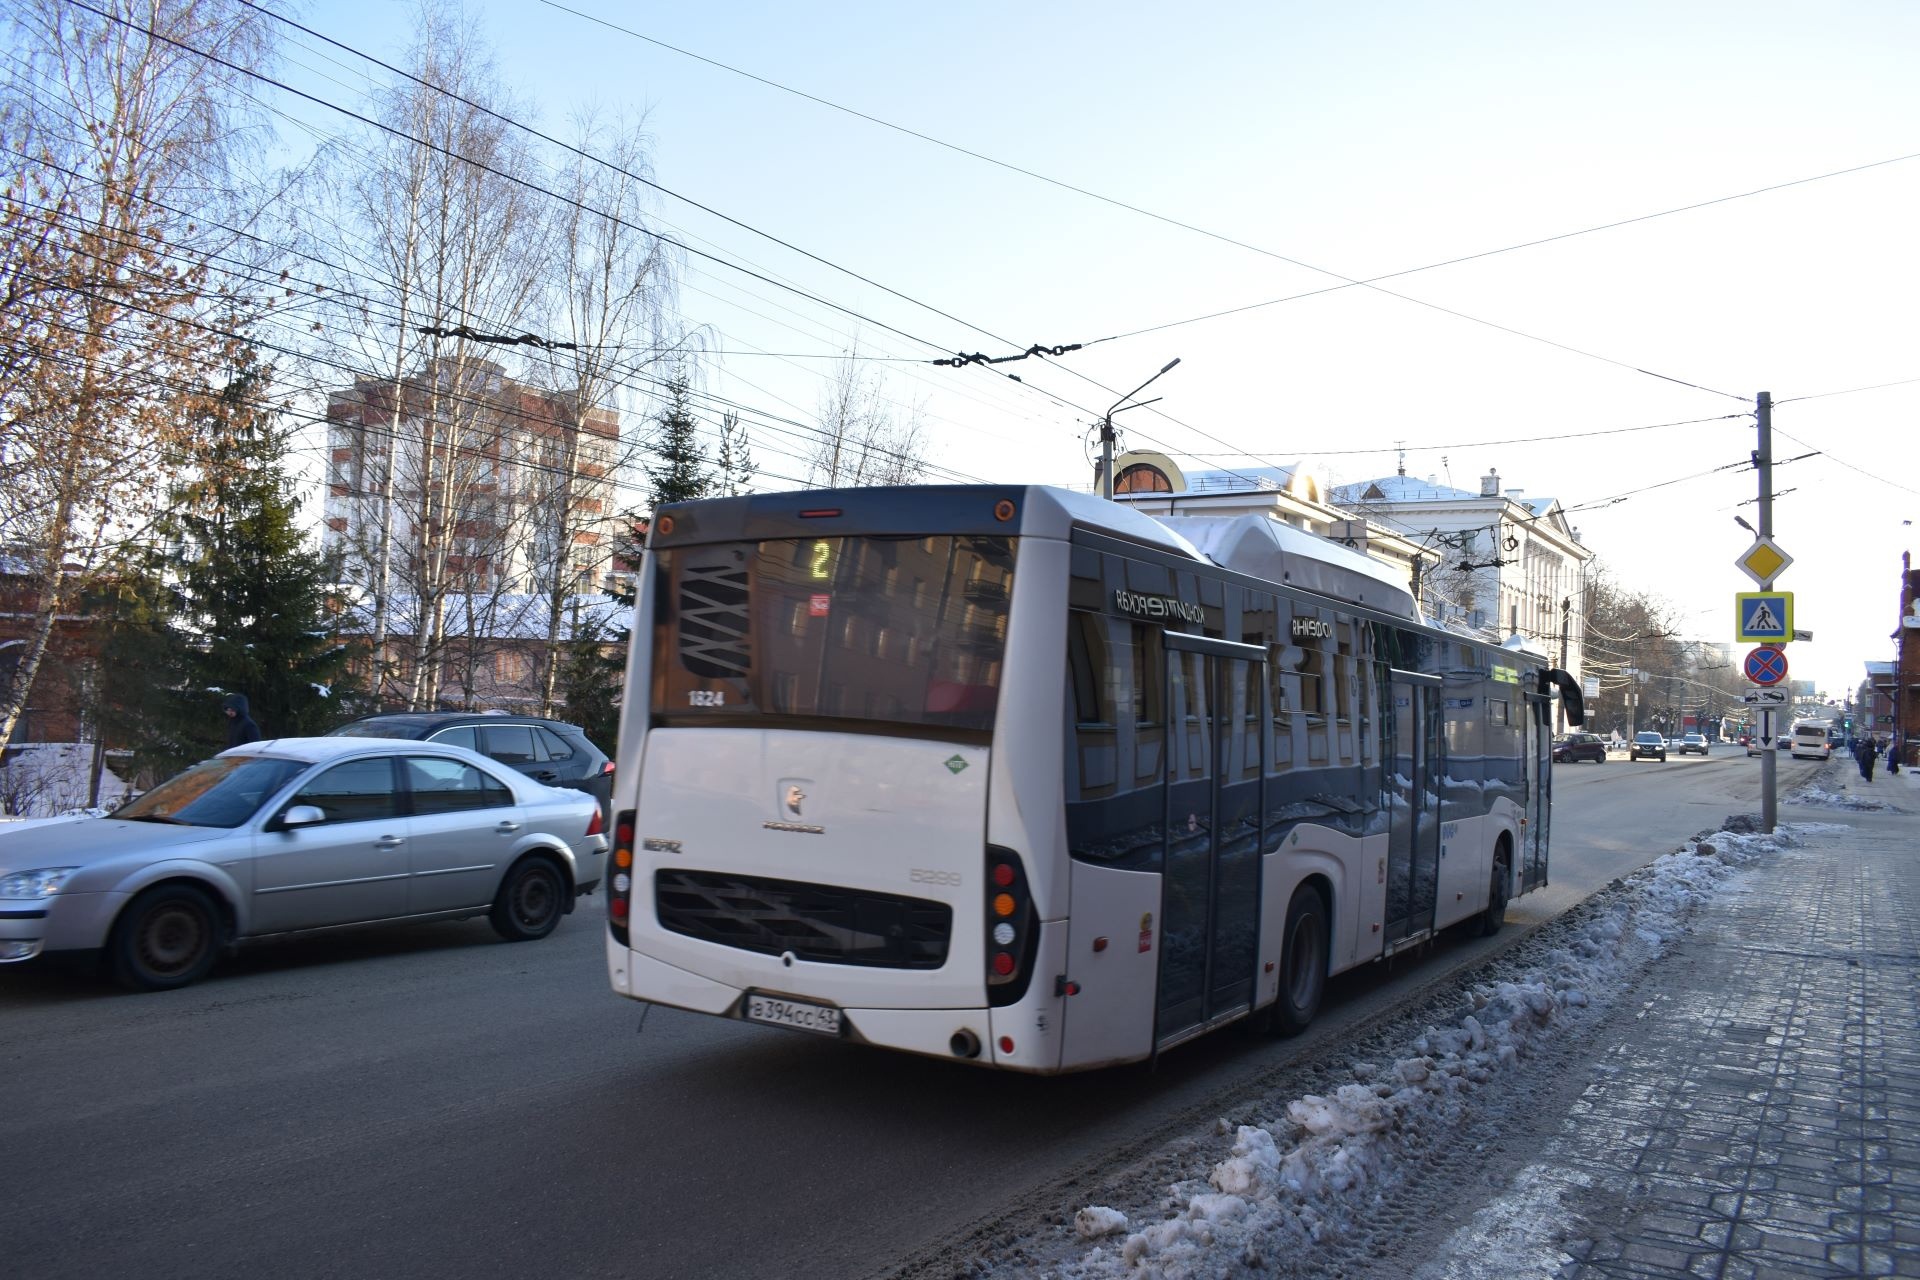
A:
(1344, 1161)
(422, 1101)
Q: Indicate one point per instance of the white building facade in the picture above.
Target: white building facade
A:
(1294, 496)
(1510, 564)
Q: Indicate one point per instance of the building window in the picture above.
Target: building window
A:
(1142, 477)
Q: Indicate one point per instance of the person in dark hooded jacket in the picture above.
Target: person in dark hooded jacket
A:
(240, 726)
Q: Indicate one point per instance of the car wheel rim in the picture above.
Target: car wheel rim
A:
(534, 899)
(172, 939)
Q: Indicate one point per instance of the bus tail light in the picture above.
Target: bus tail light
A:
(620, 878)
(1012, 933)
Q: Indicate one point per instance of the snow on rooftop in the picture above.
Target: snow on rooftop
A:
(1317, 1165)
(1397, 489)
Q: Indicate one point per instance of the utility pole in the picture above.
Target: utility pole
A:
(1106, 428)
(1560, 706)
(1763, 465)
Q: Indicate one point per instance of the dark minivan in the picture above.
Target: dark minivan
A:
(548, 751)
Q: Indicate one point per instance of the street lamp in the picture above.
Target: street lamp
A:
(1106, 427)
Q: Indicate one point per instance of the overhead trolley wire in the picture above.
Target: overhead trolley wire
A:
(1830, 456)
(502, 174)
(643, 180)
(1824, 395)
(1346, 281)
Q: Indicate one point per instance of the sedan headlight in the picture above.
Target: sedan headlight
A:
(43, 882)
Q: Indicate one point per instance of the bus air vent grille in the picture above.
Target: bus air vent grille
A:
(823, 923)
(713, 620)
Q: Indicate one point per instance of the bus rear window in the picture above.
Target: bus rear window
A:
(894, 631)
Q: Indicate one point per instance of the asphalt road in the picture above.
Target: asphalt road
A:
(428, 1101)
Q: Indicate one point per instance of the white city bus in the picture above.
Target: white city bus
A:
(1032, 780)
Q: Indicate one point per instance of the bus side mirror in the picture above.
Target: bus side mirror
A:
(1570, 696)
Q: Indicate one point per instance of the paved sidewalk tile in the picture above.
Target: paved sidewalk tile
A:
(1759, 1115)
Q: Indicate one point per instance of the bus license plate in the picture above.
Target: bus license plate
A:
(794, 1013)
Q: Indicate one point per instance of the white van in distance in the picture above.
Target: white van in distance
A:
(1811, 740)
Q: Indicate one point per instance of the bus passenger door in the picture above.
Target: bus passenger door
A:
(1210, 896)
(1413, 745)
(1539, 807)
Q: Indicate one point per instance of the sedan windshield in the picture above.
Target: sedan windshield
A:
(1648, 737)
(222, 792)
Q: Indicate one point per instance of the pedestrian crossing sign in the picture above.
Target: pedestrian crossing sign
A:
(1765, 617)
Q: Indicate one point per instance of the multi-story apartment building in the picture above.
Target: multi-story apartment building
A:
(497, 486)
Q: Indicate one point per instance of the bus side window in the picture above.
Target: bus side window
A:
(1091, 674)
(1310, 661)
(1365, 678)
(1146, 670)
(1345, 749)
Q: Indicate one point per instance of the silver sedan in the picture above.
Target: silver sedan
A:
(292, 834)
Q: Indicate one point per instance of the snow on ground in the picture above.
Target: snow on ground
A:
(1816, 794)
(1315, 1168)
(48, 779)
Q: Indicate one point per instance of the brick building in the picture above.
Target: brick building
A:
(56, 709)
(1906, 662)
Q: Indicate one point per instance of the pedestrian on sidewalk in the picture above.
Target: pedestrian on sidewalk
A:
(1893, 754)
(240, 726)
(1863, 753)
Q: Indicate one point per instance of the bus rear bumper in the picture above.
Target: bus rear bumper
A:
(967, 1034)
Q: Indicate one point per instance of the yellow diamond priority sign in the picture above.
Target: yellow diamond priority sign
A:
(1763, 562)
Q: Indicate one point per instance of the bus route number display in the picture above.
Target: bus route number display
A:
(820, 561)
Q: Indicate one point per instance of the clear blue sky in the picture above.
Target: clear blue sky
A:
(1360, 139)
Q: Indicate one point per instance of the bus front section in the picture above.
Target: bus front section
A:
(809, 760)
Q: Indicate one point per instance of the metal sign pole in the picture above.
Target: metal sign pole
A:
(1763, 464)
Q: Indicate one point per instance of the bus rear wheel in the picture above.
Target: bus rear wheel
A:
(1498, 891)
(1303, 971)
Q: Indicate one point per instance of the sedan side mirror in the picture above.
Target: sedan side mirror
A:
(302, 815)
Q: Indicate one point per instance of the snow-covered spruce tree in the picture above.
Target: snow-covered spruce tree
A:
(252, 596)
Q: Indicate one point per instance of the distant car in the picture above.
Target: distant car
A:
(1693, 743)
(1753, 746)
(293, 834)
(549, 751)
(1580, 746)
(1648, 746)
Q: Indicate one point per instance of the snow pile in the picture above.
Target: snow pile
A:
(1294, 1180)
(1815, 794)
(49, 779)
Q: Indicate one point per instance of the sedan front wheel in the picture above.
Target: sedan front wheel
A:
(166, 938)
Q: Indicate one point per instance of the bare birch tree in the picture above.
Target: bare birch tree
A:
(864, 438)
(612, 293)
(453, 234)
(119, 138)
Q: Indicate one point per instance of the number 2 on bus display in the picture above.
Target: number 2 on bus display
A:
(822, 567)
